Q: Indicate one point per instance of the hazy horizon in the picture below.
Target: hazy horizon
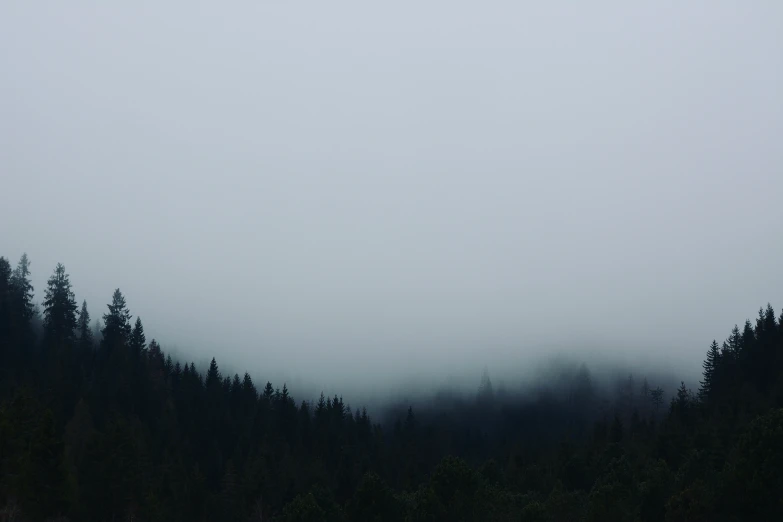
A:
(403, 192)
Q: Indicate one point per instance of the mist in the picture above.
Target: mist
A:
(352, 198)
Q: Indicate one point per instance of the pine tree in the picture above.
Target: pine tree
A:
(249, 392)
(5, 302)
(59, 307)
(710, 365)
(268, 391)
(23, 289)
(735, 342)
(485, 392)
(137, 341)
(320, 408)
(213, 375)
(97, 331)
(194, 373)
(85, 333)
(681, 403)
(410, 420)
(117, 328)
(644, 392)
(656, 396)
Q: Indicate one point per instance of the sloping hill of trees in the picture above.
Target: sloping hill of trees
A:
(99, 426)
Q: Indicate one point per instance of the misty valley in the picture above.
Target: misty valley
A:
(97, 423)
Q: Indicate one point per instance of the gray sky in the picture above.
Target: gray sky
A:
(330, 189)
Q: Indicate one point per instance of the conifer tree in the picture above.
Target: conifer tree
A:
(23, 289)
(59, 307)
(485, 392)
(735, 342)
(97, 331)
(85, 332)
(5, 302)
(117, 327)
(644, 392)
(137, 341)
(710, 365)
(213, 375)
(155, 355)
(656, 396)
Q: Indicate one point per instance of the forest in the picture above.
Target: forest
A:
(104, 425)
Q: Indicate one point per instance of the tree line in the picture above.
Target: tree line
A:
(104, 425)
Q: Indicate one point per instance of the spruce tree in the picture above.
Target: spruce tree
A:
(735, 341)
(485, 393)
(59, 307)
(85, 332)
(213, 375)
(656, 396)
(5, 303)
(117, 328)
(155, 355)
(97, 331)
(268, 391)
(22, 289)
(137, 341)
(710, 365)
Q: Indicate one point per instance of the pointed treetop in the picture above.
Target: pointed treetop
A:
(59, 306)
(485, 391)
(711, 362)
(213, 374)
(23, 287)
(138, 341)
(84, 319)
(117, 327)
(247, 382)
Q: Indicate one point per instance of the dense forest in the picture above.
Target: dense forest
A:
(102, 425)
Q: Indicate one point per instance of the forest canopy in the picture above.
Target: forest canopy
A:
(102, 424)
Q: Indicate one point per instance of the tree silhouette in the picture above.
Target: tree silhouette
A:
(710, 366)
(117, 329)
(60, 308)
(656, 396)
(86, 340)
(102, 435)
(137, 340)
(22, 289)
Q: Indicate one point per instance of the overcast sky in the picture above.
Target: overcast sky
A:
(329, 189)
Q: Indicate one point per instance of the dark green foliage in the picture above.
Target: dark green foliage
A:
(128, 433)
(86, 340)
(303, 508)
(752, 479)
(137, 341)
(22, 289)
(116, 323)
(373, 501)
(59, 307)
(711, 367)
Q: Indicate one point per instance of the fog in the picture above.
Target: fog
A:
(351, 196)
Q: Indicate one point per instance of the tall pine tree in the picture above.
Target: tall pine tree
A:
(59, 307)
(710, 366)
(5, 303)
(85, 332)
(117, 328)
(137, 342)
(23, 289)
